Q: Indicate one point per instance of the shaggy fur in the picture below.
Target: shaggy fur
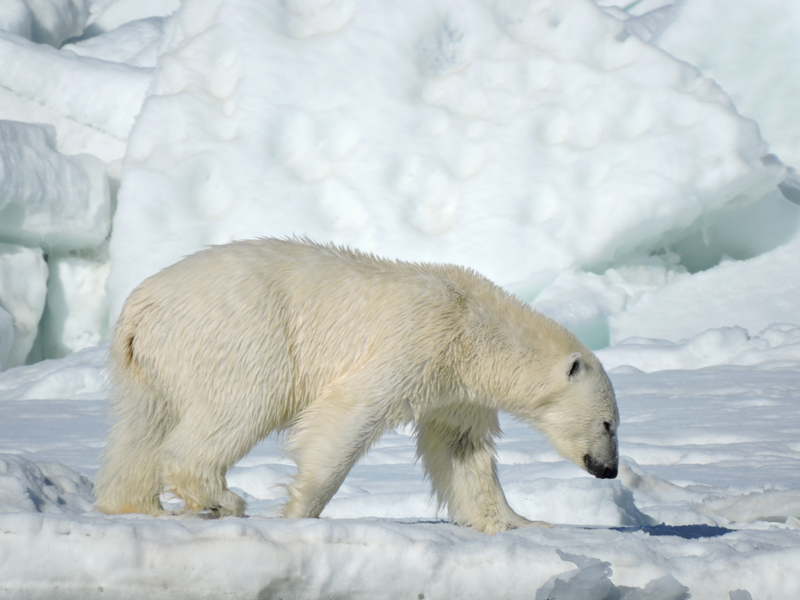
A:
(334, 346)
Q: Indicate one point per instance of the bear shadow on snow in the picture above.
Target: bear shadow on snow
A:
(335, 347)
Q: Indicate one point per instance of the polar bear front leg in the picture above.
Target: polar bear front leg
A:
(457, 450)
(327, 440)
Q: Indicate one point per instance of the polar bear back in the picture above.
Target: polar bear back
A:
(273, 319)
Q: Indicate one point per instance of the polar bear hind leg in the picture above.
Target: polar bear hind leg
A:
(129, 480)
(195, 457)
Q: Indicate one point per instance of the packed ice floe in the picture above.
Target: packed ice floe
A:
(532, 141)
(706, 503)
(628, 168)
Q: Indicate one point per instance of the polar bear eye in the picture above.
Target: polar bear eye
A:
(607, 425)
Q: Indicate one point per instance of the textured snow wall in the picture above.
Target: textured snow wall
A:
(519, 138)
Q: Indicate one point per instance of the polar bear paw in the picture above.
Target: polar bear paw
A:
(231, 505)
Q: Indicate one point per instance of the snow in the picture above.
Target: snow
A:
(712, 453)
(23, 289)
(45, 21)
(109, 15)
(752, 294)
(135, 43)
(728, 46)
(629, 168)
(415, 129)
(76, 313)
(91, 100)
(55, 202)
(777, 346)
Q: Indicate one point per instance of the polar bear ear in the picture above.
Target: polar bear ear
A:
(574, 365)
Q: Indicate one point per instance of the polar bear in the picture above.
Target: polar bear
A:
(334, 347)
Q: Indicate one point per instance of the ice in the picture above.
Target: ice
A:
(76, 314)
(591, 581)
(753, 52)
(80, 375)
(45, 21)
(637, 8)
(751, 294)
(708, 479)
(301, 117)
(6, 336)
(108, 15)
(612, 183)
(15, 17)
(95, 100)
(43, 487)
(655, 297)
(778, 346)
(771, 222)
(23, 289)
(59, 204)
(55, 202)
(583, 302)
(135, 43)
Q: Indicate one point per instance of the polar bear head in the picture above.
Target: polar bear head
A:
(579, 415)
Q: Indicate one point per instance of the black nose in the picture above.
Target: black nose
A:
(598, 470)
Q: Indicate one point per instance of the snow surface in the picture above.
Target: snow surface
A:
(728, 46)
(621, 165)
(712, 453)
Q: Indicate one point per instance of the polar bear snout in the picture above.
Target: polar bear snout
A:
(598, 469)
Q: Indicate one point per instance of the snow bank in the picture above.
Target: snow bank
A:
(657, 297)
(23, 288)
(778, 346)
(583, 302)
(45, 21)
(108, 15)
(752, 294)
(78, 376)
(92, 103)
(543, 131)
(708, 498)
(76, 314)
(135, 44)
(753, 52)
(47, 200)
(43, 487)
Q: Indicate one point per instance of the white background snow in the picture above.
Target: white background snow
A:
(629, 168)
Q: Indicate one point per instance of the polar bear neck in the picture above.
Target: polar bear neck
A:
(524, 348)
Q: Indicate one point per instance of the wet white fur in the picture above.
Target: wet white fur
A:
(335, 346)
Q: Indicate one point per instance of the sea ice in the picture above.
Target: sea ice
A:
(519, 139)
(76, 313)
(48, 200)
(752, 294)
(753, 52)
(39, 81)
(45, 21)
(23, 288)
(135, 43)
